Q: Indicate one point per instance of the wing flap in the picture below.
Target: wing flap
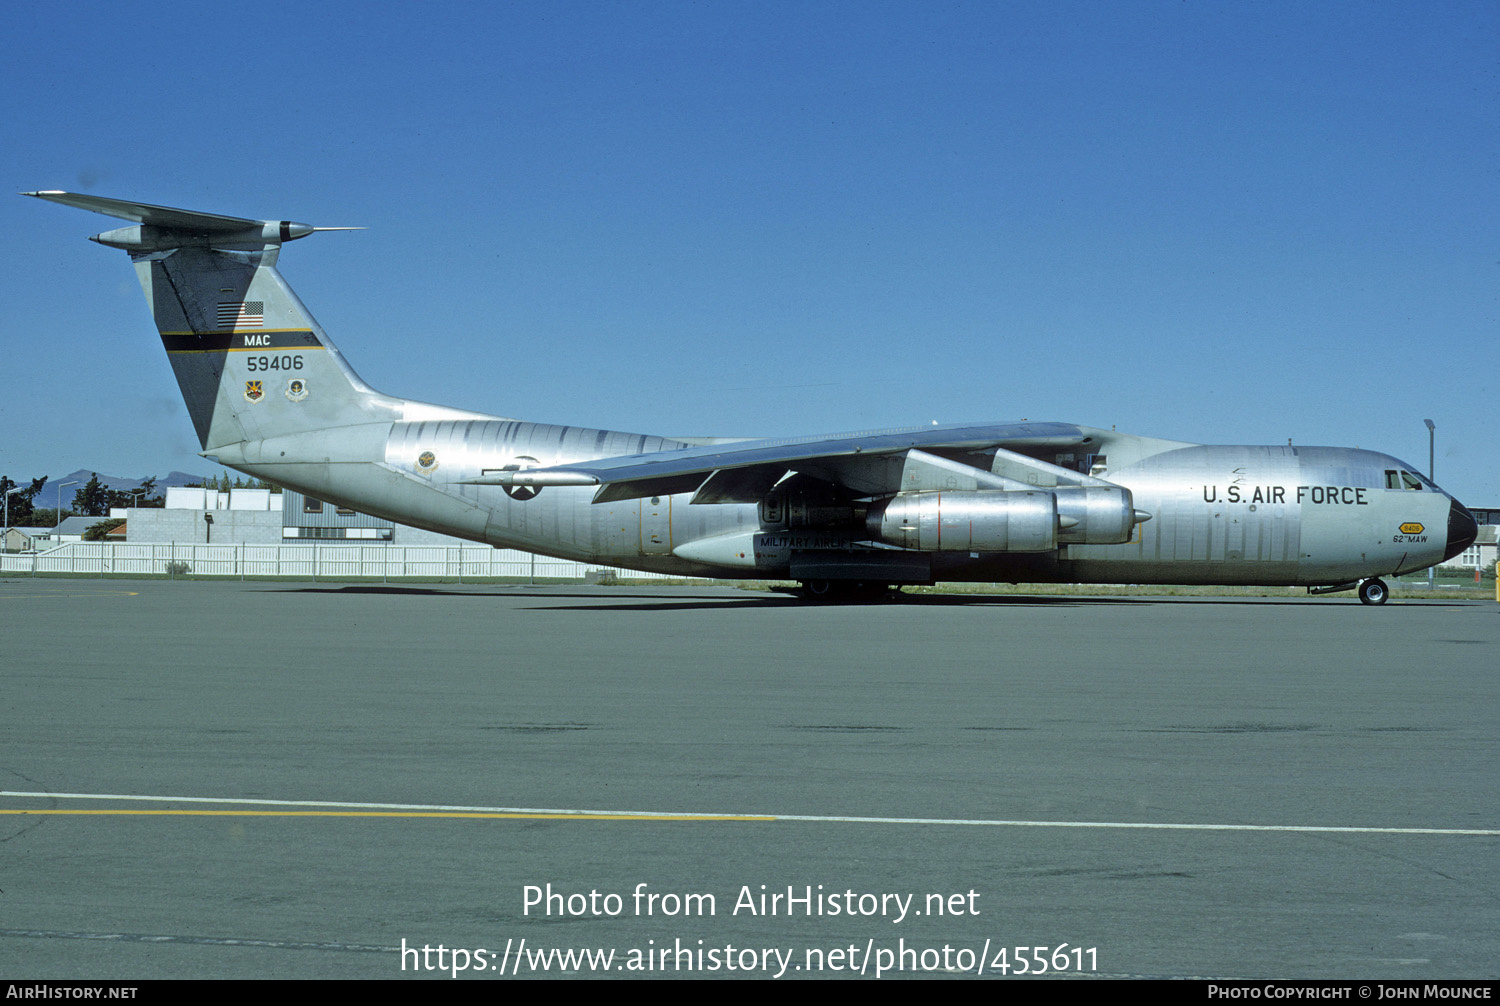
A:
(908, 471)
(739, 485)
(870, 462)
(633, 489)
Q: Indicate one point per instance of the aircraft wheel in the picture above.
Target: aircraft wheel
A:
(819, 590)
(845, 591)
(1373, 591)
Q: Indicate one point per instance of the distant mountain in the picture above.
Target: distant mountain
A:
(82, 475)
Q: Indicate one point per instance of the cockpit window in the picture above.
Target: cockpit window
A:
(1398, 479)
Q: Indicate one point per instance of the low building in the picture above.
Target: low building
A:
(266, 517)
(23, 539)
(1481, 554)
(72, 529)
(306, 517)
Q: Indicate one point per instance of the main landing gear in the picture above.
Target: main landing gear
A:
(848, 591)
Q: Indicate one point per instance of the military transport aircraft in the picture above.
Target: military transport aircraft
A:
(848, 515)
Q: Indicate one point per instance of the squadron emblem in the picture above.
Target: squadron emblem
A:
(426, 461)
(253, 391)
(296, 389)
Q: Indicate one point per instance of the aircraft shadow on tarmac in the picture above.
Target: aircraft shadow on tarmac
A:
(643, 602)
(678, 602)
(908, 600)
(384, 589)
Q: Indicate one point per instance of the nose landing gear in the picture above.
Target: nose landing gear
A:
(1373, 591)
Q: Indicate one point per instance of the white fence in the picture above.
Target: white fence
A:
(317, 561)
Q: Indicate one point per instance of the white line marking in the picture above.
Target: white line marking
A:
(805, 818)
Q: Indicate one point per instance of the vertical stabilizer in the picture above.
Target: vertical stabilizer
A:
(251, 361)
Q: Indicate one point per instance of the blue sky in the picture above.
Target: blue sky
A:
(1228, 223)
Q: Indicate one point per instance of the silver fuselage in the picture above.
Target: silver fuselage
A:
(1218, 514)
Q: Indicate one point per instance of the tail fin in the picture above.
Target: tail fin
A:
(249, 358)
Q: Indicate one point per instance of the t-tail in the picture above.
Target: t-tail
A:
(254, 367)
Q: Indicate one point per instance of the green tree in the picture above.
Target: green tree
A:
(21, 503)
(93, 499)
(96, 532)
(136, 498)
(221, 483)
(48, 516)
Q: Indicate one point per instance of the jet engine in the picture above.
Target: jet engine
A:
(1004, 520)
(1095, 515)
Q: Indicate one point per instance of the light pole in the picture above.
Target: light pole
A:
(1431, 435)
(137, 494)
(59, 501)
(5, 535)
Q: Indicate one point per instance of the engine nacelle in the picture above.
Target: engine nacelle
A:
(996, 521)
(1004, 520)
(1094, 515)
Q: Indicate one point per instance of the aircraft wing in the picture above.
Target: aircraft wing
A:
(867, 462)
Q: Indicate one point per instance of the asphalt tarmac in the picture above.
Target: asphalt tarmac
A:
(287, 780)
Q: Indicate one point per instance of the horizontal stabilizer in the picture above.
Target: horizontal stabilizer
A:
(145, 213)
(163, 227)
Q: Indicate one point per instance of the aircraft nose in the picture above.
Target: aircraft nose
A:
(1462, 530)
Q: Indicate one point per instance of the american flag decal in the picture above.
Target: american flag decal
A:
(234, 314)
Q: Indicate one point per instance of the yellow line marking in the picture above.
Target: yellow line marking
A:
(390, 813)
(784, 818)
(101, 593)
(554, 814)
